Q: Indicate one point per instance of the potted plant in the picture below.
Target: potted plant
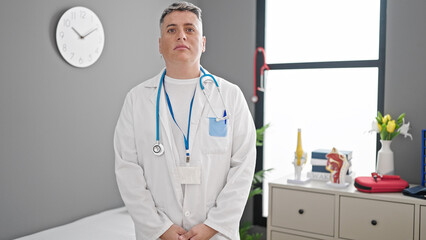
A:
(255, 190)
(388, 129)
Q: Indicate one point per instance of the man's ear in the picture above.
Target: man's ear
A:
(159, 45)
(204, 43)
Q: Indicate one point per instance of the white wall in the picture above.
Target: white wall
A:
(230, 32)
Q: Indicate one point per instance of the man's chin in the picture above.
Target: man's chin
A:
(183, 59)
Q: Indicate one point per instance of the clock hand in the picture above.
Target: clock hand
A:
(90, 32)
(77, 33)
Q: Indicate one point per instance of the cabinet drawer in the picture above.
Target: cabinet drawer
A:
(305, 211)
(423, 223)
(373, 219)
(284, 236)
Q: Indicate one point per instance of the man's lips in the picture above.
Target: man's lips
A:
(180, 47)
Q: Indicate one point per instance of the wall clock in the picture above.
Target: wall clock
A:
(80, 37)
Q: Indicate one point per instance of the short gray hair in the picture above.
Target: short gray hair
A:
(181, 6)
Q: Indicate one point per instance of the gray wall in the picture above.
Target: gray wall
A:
(230, 29)
(405, 80)
(57, 121)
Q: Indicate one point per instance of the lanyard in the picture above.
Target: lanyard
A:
(185, 138)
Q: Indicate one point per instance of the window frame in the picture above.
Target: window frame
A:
(258, 219)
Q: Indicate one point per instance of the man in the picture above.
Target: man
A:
(195, 185)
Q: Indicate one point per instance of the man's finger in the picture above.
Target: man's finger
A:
(187, 235)
(180, 231)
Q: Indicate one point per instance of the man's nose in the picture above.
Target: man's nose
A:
(182, 35)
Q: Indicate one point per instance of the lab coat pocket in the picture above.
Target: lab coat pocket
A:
(215, 135)
(217, 128)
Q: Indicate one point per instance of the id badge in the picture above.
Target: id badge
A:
(189, 175)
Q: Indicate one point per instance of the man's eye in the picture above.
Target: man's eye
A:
(190, 30)
(171, 30)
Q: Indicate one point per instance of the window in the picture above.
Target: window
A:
(327, 69)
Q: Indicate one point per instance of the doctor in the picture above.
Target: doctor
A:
(184, 142)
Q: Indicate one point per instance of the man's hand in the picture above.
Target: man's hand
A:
(173, 233)
(199, 232)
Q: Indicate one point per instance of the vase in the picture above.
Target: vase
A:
(385, 164)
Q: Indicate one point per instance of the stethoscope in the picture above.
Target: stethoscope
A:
(158, 148)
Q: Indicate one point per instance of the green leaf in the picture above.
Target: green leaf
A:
(401, 117)
(384, 132)
(380, 116)
(260, 133)
(245, 235)
(244, 230)
(255, 192)
(394, 134)
(258, 236)
(379, 120)
(260, 176)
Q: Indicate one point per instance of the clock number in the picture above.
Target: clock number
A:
(80, 61)
(72, 55)
(64, 47)
(73, 14)
(82, 14)
(90, 57)
(61, 34)
(67, 23)
(97, 50)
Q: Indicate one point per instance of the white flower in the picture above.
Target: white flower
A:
(404, 129)
(374, 127)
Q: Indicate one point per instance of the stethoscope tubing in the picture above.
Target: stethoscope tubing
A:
(158, 148)
(157, 111)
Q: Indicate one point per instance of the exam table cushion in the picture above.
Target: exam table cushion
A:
(108, 225)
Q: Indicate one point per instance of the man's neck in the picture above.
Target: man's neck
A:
(183, 71)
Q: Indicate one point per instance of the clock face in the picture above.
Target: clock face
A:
(80, 37)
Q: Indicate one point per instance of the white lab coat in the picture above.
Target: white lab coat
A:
(149, 184)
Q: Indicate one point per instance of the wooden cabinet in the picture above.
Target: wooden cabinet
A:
(372, 219)
(306, 211)
(423, 223)
(318, 211)
(280, 236)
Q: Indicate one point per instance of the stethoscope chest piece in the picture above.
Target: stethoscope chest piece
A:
(158, 149)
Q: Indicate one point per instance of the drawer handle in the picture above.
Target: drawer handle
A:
(374, 222)
(301, 211)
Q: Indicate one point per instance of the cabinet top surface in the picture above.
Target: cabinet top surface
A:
(322, 187)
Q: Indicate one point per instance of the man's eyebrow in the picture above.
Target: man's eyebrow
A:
(171, 25)
(174, 25)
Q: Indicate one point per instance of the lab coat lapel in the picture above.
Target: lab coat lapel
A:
(166, 138)
(197, 110)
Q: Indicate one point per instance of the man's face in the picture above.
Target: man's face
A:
(181, 38)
